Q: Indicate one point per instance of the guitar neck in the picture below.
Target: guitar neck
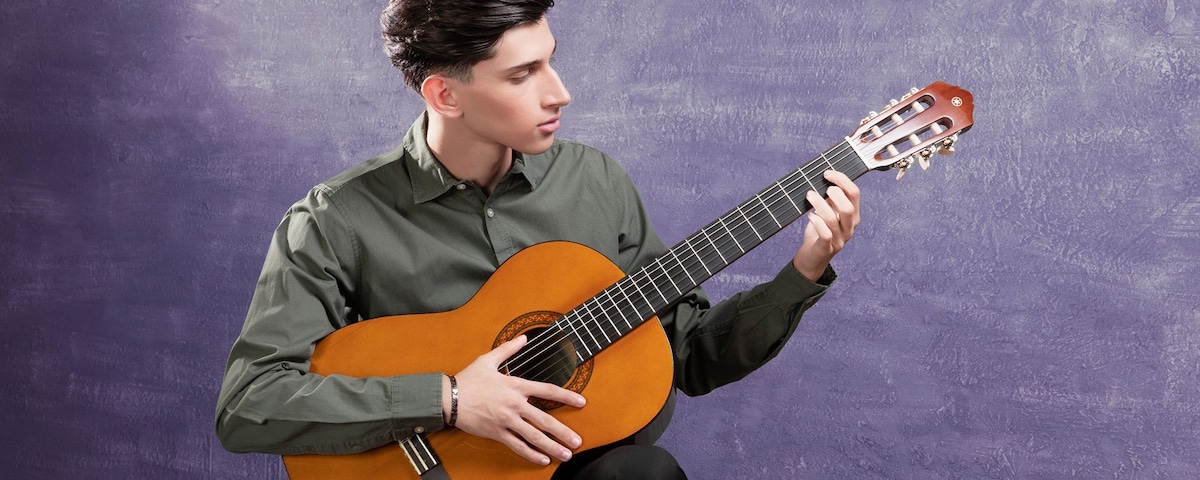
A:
(650, 290)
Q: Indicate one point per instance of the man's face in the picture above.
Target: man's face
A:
(514, 98)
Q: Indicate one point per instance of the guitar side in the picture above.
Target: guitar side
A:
(629, 382)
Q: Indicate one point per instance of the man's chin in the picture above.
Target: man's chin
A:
(539, 147)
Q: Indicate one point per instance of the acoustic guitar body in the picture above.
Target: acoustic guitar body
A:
(625, 385)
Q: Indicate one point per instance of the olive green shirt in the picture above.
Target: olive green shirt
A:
(399, 235)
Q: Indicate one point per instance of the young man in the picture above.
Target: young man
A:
(479, 176)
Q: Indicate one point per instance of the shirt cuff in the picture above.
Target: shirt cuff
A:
(415, 404)
(790, 284)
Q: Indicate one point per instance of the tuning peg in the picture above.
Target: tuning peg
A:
(902, 165)
(947, 146)
(923, 158)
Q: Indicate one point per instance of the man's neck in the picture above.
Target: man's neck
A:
(466, 155)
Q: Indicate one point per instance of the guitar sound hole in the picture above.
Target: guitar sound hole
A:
(548, 357)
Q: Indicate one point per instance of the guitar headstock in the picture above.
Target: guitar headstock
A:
(912, 129)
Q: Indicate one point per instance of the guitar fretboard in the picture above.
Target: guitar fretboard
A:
(618, 309)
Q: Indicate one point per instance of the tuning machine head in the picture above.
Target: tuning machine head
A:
(946, 147)
(923, 157)
(869, 117)
(902, 167)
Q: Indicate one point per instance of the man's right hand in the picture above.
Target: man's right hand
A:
(496, 406)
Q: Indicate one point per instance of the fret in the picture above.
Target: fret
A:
(747, 239)
(749, 223)
(776, 208)
(761, 222)
(810, 183)
(595, 341)
(685, 270)
(827, 162)
(688, 242)
(573, 335)
(580, 344)
(731, 235)
(788, 196)
(723, 241)
(644, 305)
(617, 296)
(768, 209)
(649, 304)
(784, 208)
(607, 339)
(714, 244)
(605, 311)
(619, 286)
(667, 275)
(710, 251)
(650, 280)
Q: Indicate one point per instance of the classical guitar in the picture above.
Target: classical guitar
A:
(592, 328)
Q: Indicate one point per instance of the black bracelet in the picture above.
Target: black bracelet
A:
(453, 401)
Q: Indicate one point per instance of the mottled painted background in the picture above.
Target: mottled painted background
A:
(1025, 309)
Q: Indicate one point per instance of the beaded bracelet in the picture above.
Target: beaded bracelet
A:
(453, 401)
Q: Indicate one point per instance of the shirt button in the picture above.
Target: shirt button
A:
(419, 429)
(461, 186)
(491, 213)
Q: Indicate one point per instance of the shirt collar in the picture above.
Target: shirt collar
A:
(430, 179)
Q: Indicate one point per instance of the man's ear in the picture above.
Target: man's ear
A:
(439, 95)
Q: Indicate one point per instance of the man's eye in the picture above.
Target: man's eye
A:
(522, 76)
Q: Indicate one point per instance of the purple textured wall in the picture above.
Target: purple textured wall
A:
(1025, 309)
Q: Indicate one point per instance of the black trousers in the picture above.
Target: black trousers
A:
(628, 462)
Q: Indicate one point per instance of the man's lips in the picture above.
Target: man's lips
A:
(550, 126)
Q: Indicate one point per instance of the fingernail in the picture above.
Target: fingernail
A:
(576, 441)
(565, 455)
(544, 461)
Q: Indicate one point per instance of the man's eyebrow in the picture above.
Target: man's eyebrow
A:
(523, 66)
(531, 63)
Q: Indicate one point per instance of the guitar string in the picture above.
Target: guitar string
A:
(627, 292)
(787, 186)
(687, 242)
(776, 194)
(839, 160)
(816, 165)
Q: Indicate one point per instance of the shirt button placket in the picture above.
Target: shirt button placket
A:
(501, 243)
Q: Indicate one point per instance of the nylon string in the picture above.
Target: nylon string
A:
(778, 195)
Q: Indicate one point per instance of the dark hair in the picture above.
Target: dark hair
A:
(424, 37)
